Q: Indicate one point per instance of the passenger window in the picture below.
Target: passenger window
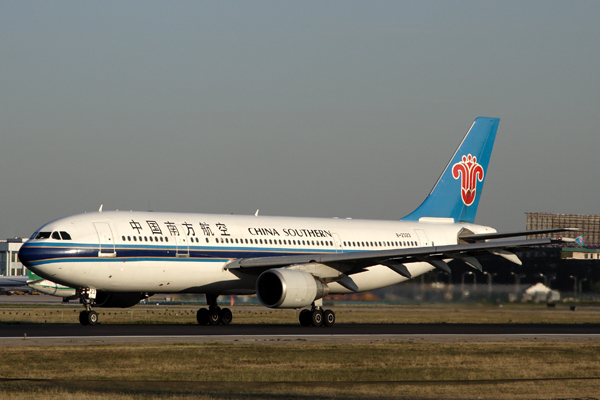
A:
(55, 235)
(129, 238)
(166, 239)
(135, 238)
(123, 237)
(145, 238)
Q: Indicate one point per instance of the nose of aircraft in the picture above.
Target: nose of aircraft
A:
(28, 254)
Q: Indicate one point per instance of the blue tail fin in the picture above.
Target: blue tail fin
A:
(457, 192)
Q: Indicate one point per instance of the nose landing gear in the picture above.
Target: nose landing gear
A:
(88, 316)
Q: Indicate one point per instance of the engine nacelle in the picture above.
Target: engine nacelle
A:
(118, 300)
(288, 288)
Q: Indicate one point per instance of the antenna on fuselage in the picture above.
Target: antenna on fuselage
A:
(256, 213)
(100, 209)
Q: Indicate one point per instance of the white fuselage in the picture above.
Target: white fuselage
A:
(120, 251)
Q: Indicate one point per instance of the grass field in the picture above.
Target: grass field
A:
(303, 371)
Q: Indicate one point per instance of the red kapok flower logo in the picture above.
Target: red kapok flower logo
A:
(470, 172)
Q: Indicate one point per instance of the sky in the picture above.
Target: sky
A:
(313, 108)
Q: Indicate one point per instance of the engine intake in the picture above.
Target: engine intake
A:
(288, 288)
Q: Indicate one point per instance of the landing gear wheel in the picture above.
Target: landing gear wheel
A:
(316, 318)
(305, 317)
(88, 317)
(83, 319)
(328, 318)
(226, 316)
(214, 316)
(202, 316)
(92, 317)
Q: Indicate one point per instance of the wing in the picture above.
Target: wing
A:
(13, 283)
(354, 262)
(472, 238)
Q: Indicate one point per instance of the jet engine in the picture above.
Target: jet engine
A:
(288, 288)
(118, 300)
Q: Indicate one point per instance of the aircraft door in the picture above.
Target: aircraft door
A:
(423, 239)
(105, 239)
(181, 242)
(337, 243)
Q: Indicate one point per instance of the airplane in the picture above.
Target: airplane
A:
(10, 284)
(117, 258)
(45, 286)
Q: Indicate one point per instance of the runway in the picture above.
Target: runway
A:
(75, 334)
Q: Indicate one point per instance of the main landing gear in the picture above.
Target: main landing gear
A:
(316, 316)
(88, 316)
(214, 315)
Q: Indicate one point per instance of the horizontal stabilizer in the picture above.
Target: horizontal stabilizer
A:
(476, 237)
(398, 268)
(507, 255)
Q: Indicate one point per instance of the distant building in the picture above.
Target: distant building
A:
(589, 226)
(9, 257)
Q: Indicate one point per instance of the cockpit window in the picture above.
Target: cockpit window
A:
(55, 235)
(65, 235)
(43, 235)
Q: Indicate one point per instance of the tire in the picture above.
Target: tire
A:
(305, 317)
(214, 317)
(83, 318)
(226, 316)
(202, 316)
(92, 318)
(328, 318)
(316, 318)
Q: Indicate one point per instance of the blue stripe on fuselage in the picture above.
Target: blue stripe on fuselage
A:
(33, 254)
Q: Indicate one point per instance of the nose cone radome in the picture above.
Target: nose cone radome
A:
(26, 255)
